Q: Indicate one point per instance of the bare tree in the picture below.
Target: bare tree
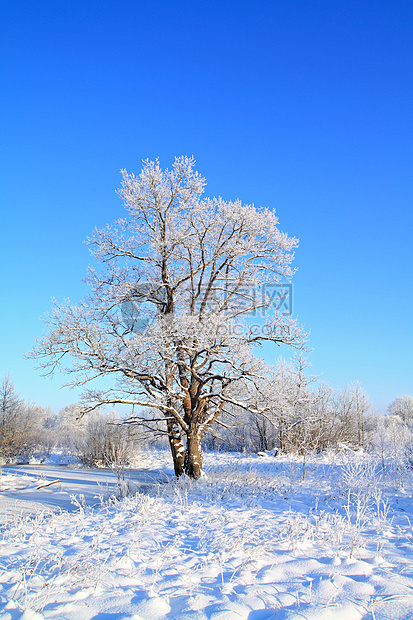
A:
(167, 316)
(12, 409)
(23, 426)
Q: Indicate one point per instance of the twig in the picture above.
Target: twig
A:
(47, 484)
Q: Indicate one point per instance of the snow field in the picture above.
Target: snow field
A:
(251, 540)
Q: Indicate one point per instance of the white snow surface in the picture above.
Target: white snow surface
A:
(251, 540)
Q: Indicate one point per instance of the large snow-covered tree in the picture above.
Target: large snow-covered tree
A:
(168, 318)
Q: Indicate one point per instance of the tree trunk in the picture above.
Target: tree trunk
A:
(193, 455)
(177, 447)
(282, 438)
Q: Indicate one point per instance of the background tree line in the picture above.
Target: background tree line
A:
(96, 439)
(307, 417)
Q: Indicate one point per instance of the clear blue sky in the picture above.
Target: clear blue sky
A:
(302, 106)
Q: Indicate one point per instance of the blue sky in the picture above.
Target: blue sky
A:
(301, 106)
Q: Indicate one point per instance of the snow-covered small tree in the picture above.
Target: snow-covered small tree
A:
(167, 316)
(106, 441)
(403, 407)
(393, 443)
(349, 410)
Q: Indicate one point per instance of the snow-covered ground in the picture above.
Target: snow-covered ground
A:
(28, 489)
(251, 540)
